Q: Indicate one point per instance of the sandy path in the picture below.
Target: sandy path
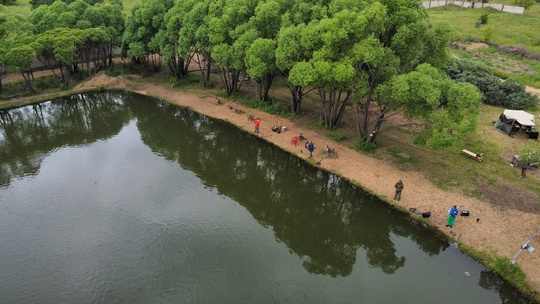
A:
(498, 231)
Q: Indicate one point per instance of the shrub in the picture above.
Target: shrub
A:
(508, 94)
(484, 18)
(337, 136)
(366, 147)
(487, 34)
(530, 153)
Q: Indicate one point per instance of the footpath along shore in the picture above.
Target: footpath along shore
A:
(499, 231)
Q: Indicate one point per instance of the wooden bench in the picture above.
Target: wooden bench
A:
(477, 156)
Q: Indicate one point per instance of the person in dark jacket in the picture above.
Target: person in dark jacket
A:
(399, 188)
(524, 168)
(310, 146)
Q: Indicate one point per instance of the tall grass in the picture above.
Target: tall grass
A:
(21, 8)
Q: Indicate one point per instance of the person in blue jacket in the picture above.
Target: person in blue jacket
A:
(452, 214)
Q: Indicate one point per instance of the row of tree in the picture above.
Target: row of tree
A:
(65, 38)
(351, 53)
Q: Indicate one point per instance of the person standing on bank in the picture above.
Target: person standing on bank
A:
(399, 188)
(257, 122)
(311, 147)
(452, 214)
(524, 168)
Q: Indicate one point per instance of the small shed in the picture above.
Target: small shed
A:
(512, 122)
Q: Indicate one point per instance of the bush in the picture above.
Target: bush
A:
(366, 147)
(507, 94)
(487, 34)
(337, 136)
(484, 18)
(530, 153)
(115, 70)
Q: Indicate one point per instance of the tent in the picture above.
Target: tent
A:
(512, 121)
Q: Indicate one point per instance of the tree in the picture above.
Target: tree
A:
(261, 64)
(113, 23)
(289, 52)
(447, 110)
(230, 36)
(142, 26)
(194, 38)
(230, 61)
(44, 47)
(14, 31)
(22, 57)
(65, 51)
(168, 39)
(337, 47)
(405, 41)
(267, 19)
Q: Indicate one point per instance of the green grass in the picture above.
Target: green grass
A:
(21, 8)
(508, 29)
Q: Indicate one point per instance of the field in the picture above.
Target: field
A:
(508, 30)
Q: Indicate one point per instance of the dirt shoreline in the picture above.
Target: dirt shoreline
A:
(498, 231)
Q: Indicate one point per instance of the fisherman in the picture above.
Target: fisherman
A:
(399, 188)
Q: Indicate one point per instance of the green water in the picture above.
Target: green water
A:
(120, 198)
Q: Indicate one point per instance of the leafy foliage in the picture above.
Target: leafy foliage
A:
(484, 18)
(530, 153)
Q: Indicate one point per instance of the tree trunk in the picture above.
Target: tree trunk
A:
(208, 70)
(230, 78)
(27, 79)
(263, 86)
(333, 105)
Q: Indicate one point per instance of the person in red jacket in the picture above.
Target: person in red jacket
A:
(257, 122)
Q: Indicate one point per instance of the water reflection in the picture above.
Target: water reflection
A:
(322, 219)
(319, 216)
(29, 134)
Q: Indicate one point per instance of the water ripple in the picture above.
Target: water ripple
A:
(289, 292)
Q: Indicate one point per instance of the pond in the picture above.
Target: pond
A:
(115, 197)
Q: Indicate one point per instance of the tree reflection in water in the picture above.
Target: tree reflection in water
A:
(29, 134)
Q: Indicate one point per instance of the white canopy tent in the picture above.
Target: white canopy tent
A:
(523, 118)
(512, 121)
